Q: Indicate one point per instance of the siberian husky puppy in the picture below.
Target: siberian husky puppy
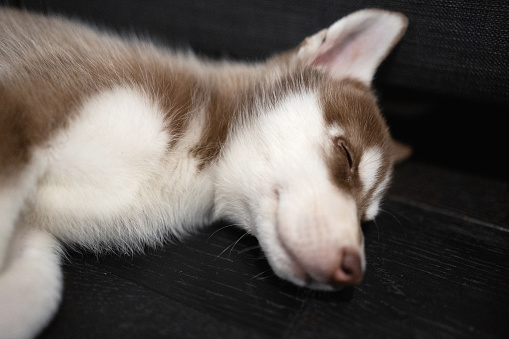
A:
(115, 144)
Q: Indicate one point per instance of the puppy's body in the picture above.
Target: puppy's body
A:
(116, 144)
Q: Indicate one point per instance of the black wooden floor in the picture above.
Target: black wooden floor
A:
(438, 260)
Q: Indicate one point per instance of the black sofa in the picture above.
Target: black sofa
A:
(438, 256)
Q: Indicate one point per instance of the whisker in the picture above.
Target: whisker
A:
(377, 230)
(235, 243)
(231, 246)
(392, 215)
(226, 249)
(258, 276)
(247, 249)
(220, 229)
(404, 229)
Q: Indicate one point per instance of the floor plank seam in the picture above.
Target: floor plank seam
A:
(427, 207)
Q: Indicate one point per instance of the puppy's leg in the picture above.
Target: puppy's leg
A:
(30, 284)
(30, 274)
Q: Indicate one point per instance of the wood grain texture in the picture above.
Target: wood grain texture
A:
(480, 200)
(99, 304)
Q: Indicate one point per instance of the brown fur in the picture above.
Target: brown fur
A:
(51, 67)
(47, 74)
(351, 104)
(226, 106)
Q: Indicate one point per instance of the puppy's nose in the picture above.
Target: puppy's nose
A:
(350, 270)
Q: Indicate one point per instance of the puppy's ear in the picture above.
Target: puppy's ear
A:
(400, 151)
(355, 45)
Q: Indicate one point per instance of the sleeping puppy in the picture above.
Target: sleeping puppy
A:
(114, 144)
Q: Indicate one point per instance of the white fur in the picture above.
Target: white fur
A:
(276, 174)
(109, 151)
(335, 131)
(31, 285)
(112, 182)
(369, 172)
(376, 198)
(369, 167)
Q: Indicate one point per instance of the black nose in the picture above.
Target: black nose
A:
(349, 271)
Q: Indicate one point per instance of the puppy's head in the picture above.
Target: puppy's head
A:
(307, 171)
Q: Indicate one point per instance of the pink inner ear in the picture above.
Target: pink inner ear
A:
(357, 48)
(339, 54)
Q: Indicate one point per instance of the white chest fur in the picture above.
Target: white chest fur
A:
(111, 179)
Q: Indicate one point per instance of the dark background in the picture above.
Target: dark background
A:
(438, 257)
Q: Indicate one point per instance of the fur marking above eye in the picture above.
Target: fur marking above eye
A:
(369, 167)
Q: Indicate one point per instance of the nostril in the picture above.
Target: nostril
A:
(351, 262)
(350, 268)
